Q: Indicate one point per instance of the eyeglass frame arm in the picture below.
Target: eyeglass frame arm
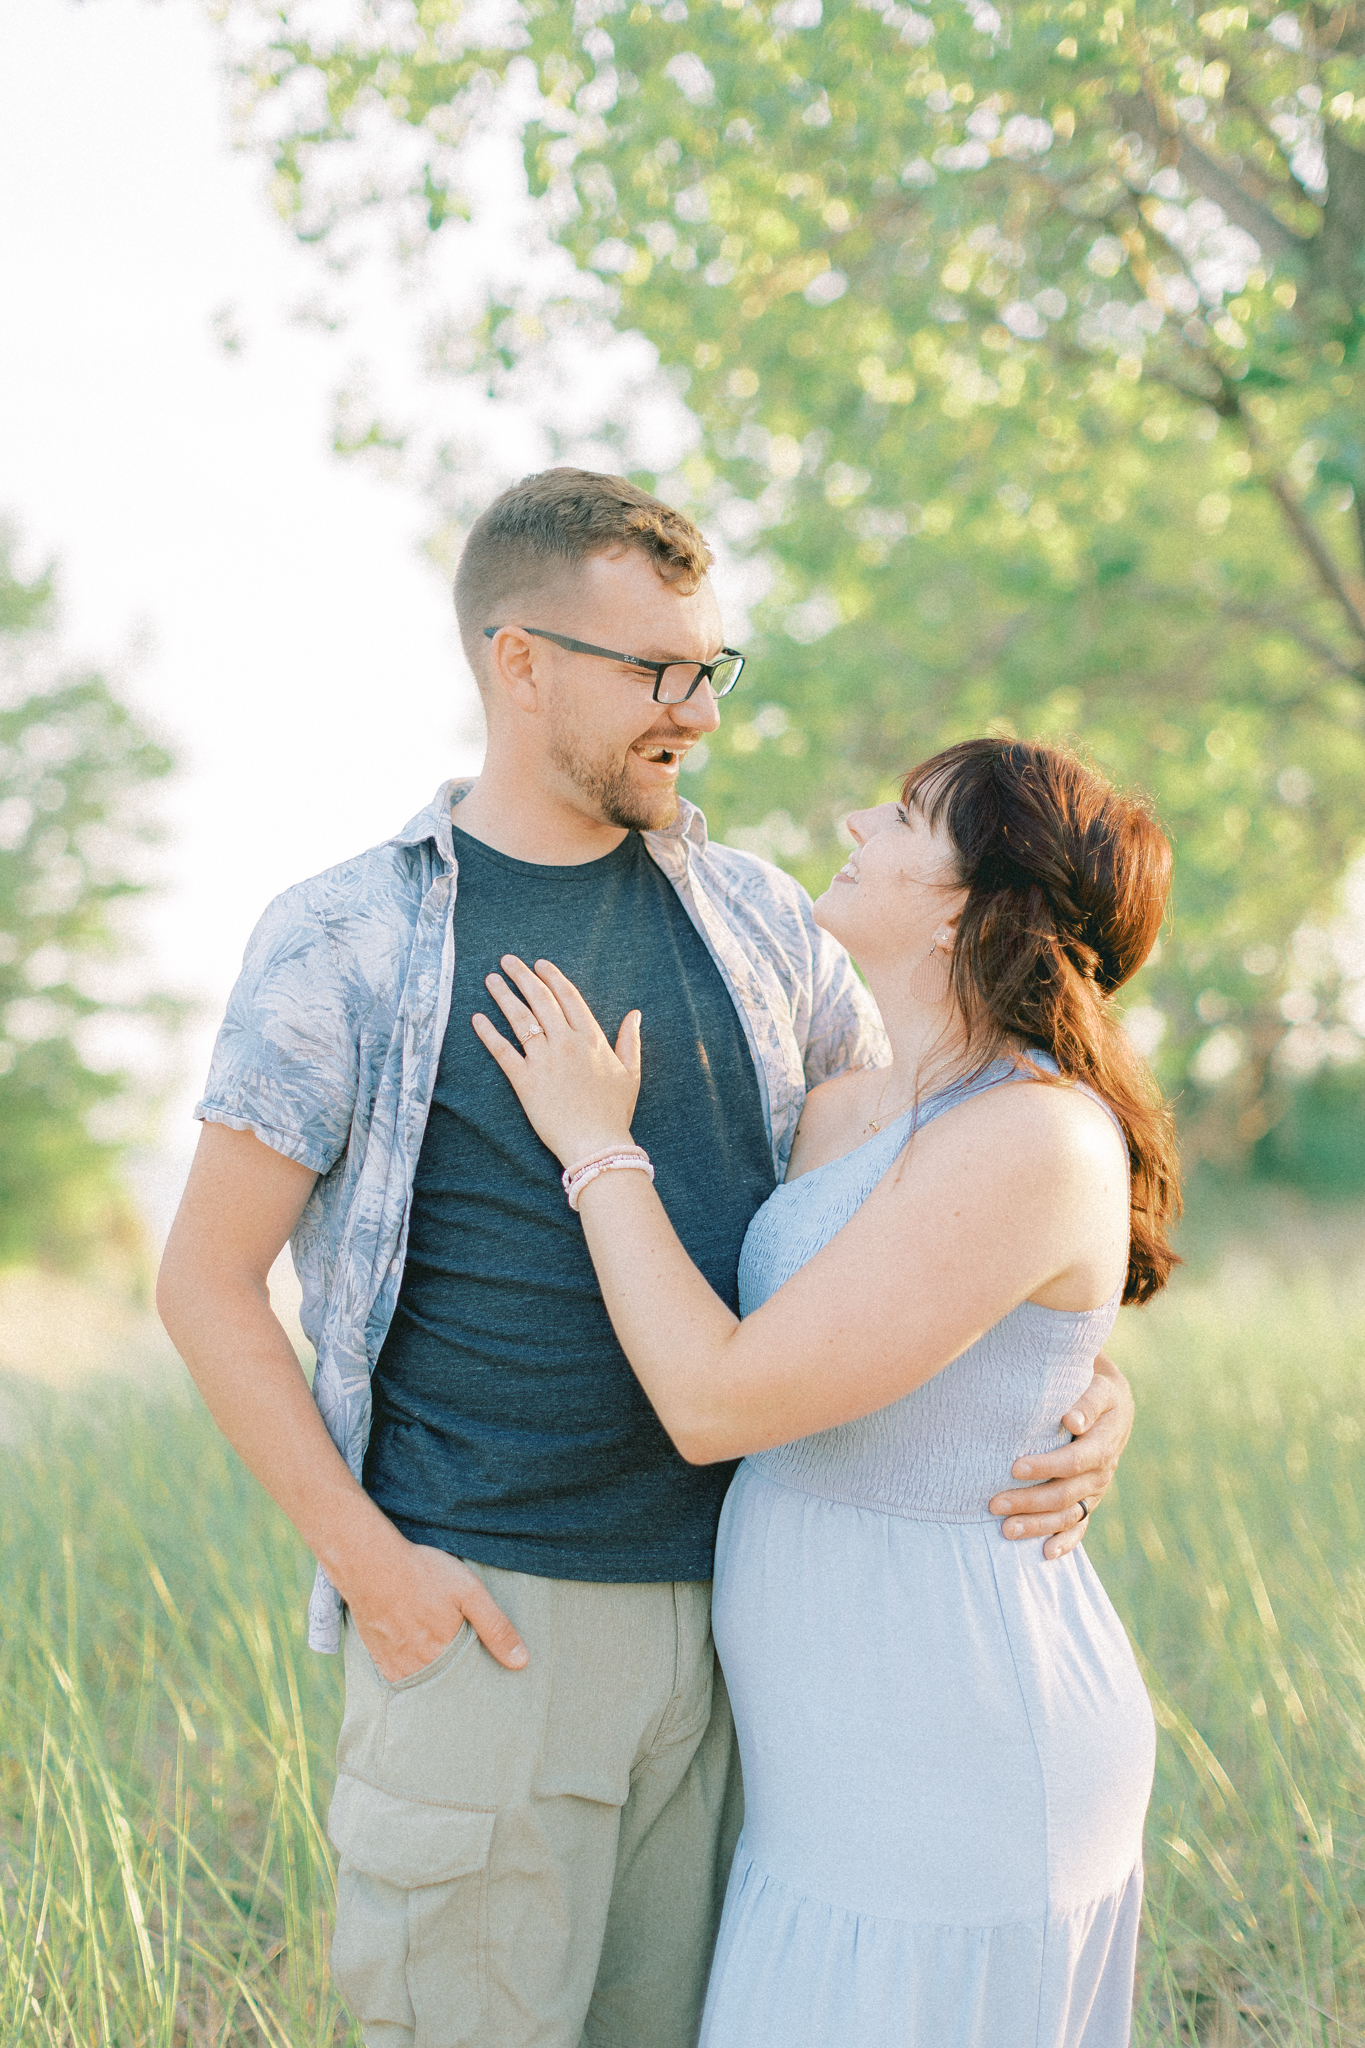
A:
(705, 669)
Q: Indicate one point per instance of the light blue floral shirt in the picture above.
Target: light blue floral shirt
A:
(333, 1032)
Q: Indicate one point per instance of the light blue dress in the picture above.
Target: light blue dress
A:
(947, 1747)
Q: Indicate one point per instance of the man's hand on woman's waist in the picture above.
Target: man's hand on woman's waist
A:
(1058, 1482)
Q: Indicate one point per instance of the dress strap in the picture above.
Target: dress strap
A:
(941, 1100)
(997, 1073)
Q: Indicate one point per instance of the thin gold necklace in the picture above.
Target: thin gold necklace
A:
(874, 1123)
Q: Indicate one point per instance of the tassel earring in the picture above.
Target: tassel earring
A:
(930, 981)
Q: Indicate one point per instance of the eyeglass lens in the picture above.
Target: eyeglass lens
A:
(677, 681)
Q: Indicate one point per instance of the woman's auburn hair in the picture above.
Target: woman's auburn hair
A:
(1067, 882)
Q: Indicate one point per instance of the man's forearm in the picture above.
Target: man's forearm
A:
(244, 1365)
(240, 1205)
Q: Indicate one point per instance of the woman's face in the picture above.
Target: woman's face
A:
(898, 888)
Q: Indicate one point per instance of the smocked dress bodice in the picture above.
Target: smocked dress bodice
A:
(942, 1451)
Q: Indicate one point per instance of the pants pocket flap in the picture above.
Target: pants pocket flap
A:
(405, 1841)
(604, 1788)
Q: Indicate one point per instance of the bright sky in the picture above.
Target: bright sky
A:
(263, 604)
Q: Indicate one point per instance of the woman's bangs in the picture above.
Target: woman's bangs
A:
(945, 788)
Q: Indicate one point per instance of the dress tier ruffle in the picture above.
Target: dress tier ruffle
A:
(842, 1976)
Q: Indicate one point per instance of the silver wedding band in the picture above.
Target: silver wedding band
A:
(1085, 1509)
(532, 1031)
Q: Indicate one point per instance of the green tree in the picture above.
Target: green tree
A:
(74, 766)
(1026, 346)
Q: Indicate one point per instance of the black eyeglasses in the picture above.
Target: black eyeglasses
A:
(674, 681)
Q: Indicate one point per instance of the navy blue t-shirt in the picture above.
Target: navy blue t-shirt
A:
(508, 1426)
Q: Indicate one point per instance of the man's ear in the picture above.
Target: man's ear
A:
(510, 669)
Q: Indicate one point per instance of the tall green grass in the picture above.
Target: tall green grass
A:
(1233, 1545)
(165, 1738)
(166, 1747)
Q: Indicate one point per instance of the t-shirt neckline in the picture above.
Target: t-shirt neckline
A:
(468, 847)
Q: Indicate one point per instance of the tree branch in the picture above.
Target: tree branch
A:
(1240, 206)
(1238, 94)
(1308, 640)
(1213, 179)
(1269, 618)
(1330, 574)
(1071, 352)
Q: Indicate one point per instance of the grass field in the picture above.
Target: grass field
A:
(166, 1739)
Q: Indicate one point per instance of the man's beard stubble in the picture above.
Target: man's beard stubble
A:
(609, 788)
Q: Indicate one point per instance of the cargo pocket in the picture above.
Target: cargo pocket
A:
(411, 1935)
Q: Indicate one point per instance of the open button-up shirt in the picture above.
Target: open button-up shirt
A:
(329, 1049)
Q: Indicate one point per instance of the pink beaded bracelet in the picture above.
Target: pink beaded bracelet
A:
(575, 1178)
(607, 1152)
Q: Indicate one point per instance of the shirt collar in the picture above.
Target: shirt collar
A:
(434, 822)
(689, 825)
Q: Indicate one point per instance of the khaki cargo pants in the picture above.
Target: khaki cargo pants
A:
(537, 1858)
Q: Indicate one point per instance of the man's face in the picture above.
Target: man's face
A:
(614, 751)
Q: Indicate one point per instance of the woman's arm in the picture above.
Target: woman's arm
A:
(930, 1261)
(922, 1269)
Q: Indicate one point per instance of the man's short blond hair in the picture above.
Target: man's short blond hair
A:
(543, 528)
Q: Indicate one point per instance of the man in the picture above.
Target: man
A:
(536, 1795)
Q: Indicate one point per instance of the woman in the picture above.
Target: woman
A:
(947, 1749)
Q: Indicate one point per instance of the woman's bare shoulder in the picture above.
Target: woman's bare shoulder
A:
(1045, 1125)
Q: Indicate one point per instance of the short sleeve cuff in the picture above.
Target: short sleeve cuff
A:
(295, 1145)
